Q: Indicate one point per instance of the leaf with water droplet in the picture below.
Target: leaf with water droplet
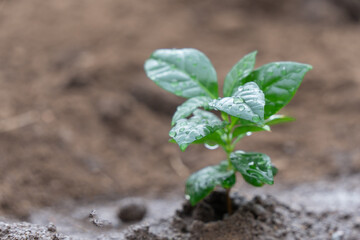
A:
(280, 86)
(239, 71)
(202, 183)
(238, 100)
(189, 106)
(216, 137)
(246, 103)
(255, 119)
(185, 72)
(256, 168)
(195, 128)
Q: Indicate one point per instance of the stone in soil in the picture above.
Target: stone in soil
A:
(132, 210)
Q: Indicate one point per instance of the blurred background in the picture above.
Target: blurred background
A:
(79, 118)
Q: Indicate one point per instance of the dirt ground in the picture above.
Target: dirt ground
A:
(327, 209)
(79, 119)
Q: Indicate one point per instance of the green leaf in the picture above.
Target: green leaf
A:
(276, 119)
(197, 127)
(255, 167)
(255, 182)
(249, 128)
(239, 71)
(211, 138)
(274, 170)
(189, 106)
(279, 81)
(185, 72)
(247, 103)
(202, 183)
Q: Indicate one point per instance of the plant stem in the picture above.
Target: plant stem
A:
(229, 148)
(228, 199)
(229, 203)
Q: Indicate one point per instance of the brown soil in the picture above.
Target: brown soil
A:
(328, 209)
(262, 218)
(79, 118)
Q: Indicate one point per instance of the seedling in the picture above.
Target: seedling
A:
(251, 99)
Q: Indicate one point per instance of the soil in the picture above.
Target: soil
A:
(327, 210)
(79, 119)
(260, 218)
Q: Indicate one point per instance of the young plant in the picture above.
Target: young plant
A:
(251, 99)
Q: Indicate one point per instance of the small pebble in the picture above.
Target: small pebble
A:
(132, 210)
(92, 214)
(259, 211)
(51, 227)
(94, 219)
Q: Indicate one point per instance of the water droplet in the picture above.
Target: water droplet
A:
(248, 133)
(241, 108)
(172, 134)
(256, 118)
(240, 88)
(182, 129)
(238, 100)
(283, 71)
(187, 197)
(211, 145)
(181, 122)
